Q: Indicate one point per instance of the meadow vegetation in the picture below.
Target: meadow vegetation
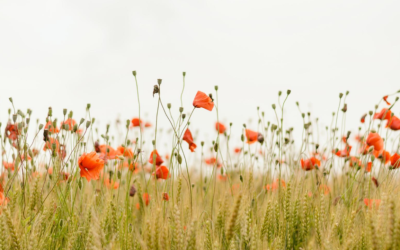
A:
(71, 185)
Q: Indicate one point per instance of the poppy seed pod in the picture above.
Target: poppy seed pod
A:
(340, 95)
(216, 87)
(134, 73)
(156, 90)
(88, 106)
(184, 73)
(40, 126)
(45, 135)
(260, 138)
(279, 93)
(273, 106)
(15, 116)
(159, 81)
(168, 105)
(288, 92)
(132, 191)
(11, 100)
(50, 112)
(64, 111)
(181, 109)
(183, 116)
(344, 109)
(88, 124)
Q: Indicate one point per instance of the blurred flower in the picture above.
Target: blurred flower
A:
(201, 100)
(187, 137)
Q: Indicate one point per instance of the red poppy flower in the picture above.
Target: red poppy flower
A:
(309, 164)
(395, 161)
(159, 160)
(385, 156)
(369, 167)
(237, 150)
(354, 161)
(162, 172)
(49, 144)
(324, 188)
(165, 196)
(127, 152)
(147, 125)
(146, 199)
(12, 131)
(370, 202)
(111, 184)
(394, 123)
(362, 120)
(385, 114)
(375, 140)
(251, 136)
(187, 137)
(275, 184)
(9, 165)
(344, 152)
(210, 161)
(108, 151)
(90, 166)
(70, 122)
(201, 100)
(344, 139)
(220, 127)
(49, 126)
(136, 122)
(3, 199)
(385, 99)
(222, 177)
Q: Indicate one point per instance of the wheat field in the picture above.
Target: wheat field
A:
(71, 185)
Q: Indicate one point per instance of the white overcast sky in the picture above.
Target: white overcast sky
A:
(66, 54)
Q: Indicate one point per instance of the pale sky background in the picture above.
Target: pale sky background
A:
(66, 54)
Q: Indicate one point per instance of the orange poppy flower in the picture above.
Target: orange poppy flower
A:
(70, 122)
(165, 197)
(275, 184)
(9, 165)
(49, 126)
(111, 184)
(394, 161)
(222, 177)
(325, 189)
(251, 136)
(370, 202)
(362, 120)
(3, 200)
(375, 140)
(137, 206)
(344, 139)
(369, 167)
(394, 123)
(210, 161)
(136, 122)
(385, 99)
(162, 172)
(309, 164)
(159, 160)
(49, 144)
(90, 166)
(354, 161)
(237, 150)
(385, 114)
(108, 151)
(187, 137)
(12, 131)
(201, 100)
(220, 127)
(146, 199)
(127, 152)
(147, 125)
(344, 152)
(385, 156)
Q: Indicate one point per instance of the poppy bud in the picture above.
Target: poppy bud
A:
(347, 92)
(397, 98)
(216, 87)
(168, 105)
(303, 115)
(134, 73)
(340, 95)
(88, 106)
(156, 90)
(216, 147)
(279, 93)
(288, 92)
(184, 74)
(132, 191)
(179, 159)
(93, 119)
(273, 106)
(372, 158)
(181, 109)
(64, 111)
(66, 126)
(202, 143)
(159, 81)
(87, 124)
(45, 135)
(14, 117)
(344, 109)
(11, 100)
(40, 126)
(183, 116)
(260, 138)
